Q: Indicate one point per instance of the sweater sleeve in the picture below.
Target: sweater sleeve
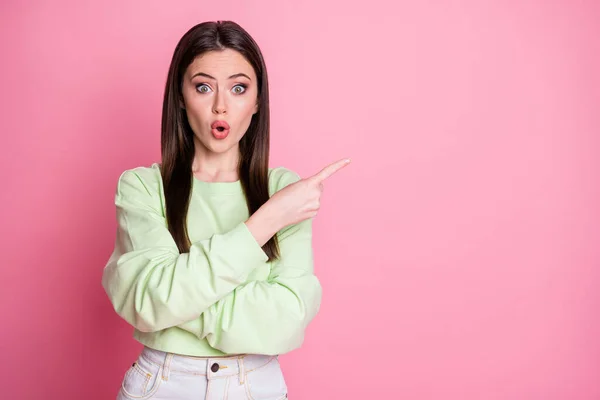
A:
(268, 317)
(149, 283)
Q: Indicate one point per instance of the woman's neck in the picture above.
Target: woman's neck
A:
(216, 167)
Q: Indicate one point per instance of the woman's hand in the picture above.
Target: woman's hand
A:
(292, 204)
(301, 200)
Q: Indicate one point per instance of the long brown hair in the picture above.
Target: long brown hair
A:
(177, 137)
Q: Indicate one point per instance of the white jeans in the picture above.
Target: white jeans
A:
(161, 376)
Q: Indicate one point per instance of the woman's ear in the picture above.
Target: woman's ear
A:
(255, 107)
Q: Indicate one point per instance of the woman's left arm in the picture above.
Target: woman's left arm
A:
(267, 317)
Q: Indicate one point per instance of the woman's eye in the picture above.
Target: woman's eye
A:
(241, 87)
(203, 88)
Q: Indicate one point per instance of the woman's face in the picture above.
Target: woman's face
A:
(220, 86)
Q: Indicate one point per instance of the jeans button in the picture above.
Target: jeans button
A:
(214, 367)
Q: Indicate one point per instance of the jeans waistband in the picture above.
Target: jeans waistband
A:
(211, 367)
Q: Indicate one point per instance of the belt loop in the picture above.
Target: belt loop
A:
(242, 370)
(166, 366)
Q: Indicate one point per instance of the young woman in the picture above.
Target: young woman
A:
(213, 262)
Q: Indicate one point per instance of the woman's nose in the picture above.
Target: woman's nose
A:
(219, 106)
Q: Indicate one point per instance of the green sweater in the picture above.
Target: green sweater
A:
(222, 297)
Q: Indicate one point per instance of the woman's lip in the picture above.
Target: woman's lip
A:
(220, 135)
(220, 123)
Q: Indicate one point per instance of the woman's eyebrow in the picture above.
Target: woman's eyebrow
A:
(213, 78)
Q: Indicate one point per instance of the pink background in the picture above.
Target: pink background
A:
(459, 252)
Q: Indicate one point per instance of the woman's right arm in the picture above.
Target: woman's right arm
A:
(153, 287)
(150, 284)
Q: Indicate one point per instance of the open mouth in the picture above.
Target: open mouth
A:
(220, 129)
(220, 125)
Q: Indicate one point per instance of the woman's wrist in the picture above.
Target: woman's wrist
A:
(264, 224)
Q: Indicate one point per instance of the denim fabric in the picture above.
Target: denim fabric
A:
(161, 376)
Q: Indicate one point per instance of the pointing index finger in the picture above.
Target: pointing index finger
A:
(331, 169)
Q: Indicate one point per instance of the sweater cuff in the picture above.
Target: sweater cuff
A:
(244, 246)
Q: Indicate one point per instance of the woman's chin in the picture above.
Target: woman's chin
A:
(219, 146)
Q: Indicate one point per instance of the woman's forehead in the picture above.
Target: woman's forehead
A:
(221, 64)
